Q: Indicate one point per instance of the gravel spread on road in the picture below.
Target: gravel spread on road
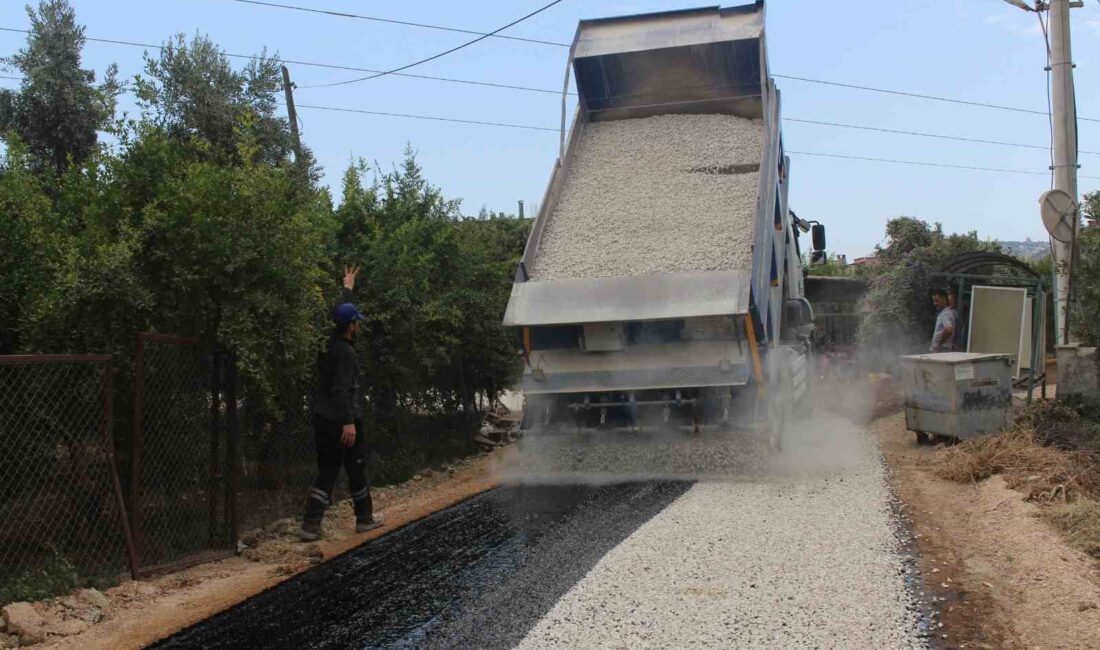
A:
(802, 561)
(663, 194)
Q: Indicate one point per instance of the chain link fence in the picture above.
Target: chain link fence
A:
(62, 518)
(182, 510)
(201, 462)
(278, 463)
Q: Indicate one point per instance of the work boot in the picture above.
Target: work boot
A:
(310, 531)
(364, 525)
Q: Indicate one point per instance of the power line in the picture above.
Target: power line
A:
(920, 96)
(924, 164)
(341, 14)
(528, 127)
(548, 91)
(789, 119)
(802, 153)
(555, 92)
(1050, 111)
(428, 117)
(925, 135)
(443, 53)
(314, 64)
(540, 90)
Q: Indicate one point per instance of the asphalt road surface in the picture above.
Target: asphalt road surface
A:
(806, 557)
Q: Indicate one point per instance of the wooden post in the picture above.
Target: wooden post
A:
(292, 114)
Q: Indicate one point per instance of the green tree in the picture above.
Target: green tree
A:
(433, 287)
(25, 224)
(58, 108)
(192, 92)
(1090, 208)
(1086, 286)
(238, 255)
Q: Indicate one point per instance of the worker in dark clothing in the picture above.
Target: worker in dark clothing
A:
(338, 424)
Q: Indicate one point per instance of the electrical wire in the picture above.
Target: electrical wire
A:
(789, 119)
(341, 14)
(920, 96)
(924, 164)
(397, 72)
(331, 66)
(436, 118)
(555, 92)
(1050, 109)
(925, 135)
(425, 117)
(443, 53)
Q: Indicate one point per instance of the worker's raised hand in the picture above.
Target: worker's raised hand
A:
(349, 276)
(347, 436)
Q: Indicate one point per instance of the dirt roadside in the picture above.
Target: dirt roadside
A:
(141, 612)
(999, 576)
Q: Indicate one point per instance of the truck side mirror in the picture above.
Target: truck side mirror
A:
(818, 234)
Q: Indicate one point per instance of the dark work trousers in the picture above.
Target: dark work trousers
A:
(331, 456)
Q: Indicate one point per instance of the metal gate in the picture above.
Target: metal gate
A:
(185, 441)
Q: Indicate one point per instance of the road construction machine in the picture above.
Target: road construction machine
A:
(662, 281)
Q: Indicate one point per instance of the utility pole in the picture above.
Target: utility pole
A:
(1063, 147)
(1065, 151)
(288, 89)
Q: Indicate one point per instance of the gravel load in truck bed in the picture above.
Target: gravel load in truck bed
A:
(663, 194)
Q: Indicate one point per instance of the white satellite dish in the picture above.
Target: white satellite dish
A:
(1059, 211)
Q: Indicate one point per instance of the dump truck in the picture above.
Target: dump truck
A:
(662, 280)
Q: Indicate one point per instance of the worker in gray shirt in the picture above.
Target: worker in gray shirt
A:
(944, 334)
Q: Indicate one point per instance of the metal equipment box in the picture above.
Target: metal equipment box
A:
(957, 394)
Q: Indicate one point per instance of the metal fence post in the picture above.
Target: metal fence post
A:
(109, 445)
(215, 443)
(136, 444)
(233, 455)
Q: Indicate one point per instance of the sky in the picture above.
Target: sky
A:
(976, 50)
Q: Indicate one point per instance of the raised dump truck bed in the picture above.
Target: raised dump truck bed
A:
(663, 256)
(662, 194)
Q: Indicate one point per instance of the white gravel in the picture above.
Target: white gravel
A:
(645, 196)
(808, 560)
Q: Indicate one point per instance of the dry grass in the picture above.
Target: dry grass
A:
(1044, 473)
(1049, 453)
(1079, 524)
(1052, 455)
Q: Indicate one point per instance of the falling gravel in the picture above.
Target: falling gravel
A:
(664, 194)
(803, 561)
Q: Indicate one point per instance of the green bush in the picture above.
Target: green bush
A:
(1086, 287)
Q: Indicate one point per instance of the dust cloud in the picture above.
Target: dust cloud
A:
(828, 438)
